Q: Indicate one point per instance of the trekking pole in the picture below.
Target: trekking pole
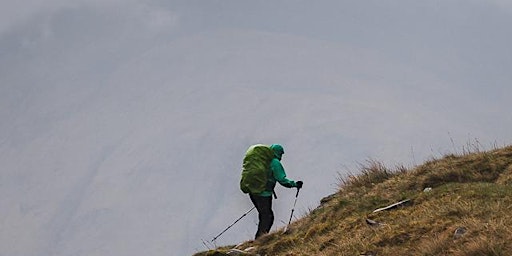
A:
(245, 214)
(293, 209)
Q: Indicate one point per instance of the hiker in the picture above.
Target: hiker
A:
(262, 200)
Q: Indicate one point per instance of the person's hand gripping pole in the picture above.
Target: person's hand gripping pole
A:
(299, 186)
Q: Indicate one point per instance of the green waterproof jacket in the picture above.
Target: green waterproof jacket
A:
(277, 173)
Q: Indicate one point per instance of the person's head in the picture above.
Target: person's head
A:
(278, 150)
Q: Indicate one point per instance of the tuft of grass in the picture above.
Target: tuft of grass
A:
(483, 246)
(506, 176)
(436, 244)
(470, 167)
(371, 173)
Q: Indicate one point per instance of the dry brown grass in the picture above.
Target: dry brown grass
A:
(470, 191)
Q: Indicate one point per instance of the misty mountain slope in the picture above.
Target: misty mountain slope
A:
(123, 123)
(457, 205)
(146, 157)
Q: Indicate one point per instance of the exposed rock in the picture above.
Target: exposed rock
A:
(459, 232)
(236, 252)
(250, 249)
(395, 205)
(327, 199)
(373, 223)
(247, 251)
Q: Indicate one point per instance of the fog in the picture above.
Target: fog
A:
(124, 124)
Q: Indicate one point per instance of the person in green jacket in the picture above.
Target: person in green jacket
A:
(263, 201)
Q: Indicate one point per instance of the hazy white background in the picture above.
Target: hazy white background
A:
(124, 123)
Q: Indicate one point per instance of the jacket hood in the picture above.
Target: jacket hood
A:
(278, 150)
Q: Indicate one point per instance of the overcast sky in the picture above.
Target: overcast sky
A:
(124, 123)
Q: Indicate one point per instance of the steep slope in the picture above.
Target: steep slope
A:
(458, 205)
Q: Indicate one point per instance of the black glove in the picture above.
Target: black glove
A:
(299, 184)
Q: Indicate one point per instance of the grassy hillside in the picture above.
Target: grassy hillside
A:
(459, 205)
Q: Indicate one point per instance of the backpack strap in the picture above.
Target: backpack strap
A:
(271, 174)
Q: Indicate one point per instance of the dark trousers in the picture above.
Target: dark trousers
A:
(266, 216)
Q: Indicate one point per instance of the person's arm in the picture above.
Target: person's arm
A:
(280, 174)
